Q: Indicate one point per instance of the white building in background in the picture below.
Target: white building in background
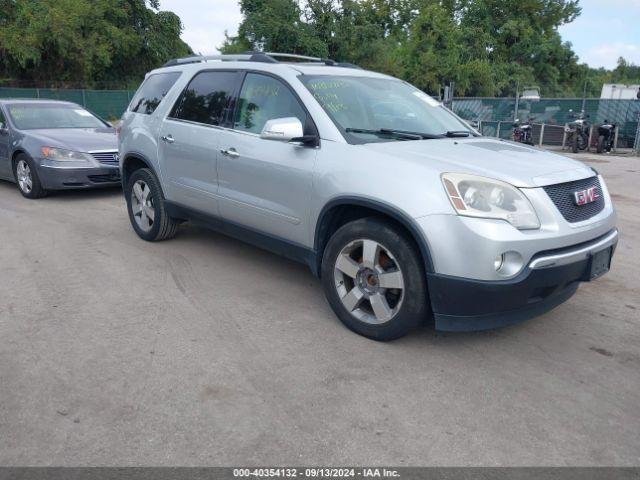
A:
(618, 91)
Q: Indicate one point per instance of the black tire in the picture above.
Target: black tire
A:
(600, 147)
(37, 191)
(414, 307)
(574, 143)
(583, 142)
(163, 226)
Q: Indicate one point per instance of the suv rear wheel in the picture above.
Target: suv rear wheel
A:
(146, 207)
(374, 280)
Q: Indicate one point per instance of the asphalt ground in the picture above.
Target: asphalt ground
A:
(205, 351)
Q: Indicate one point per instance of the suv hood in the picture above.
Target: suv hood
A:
(77, 139)
(517, 164)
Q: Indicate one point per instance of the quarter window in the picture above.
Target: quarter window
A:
(206, 98)
(264, 98)
(152, 91)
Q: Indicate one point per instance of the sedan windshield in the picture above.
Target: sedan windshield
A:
(30, 116)
(367, 109)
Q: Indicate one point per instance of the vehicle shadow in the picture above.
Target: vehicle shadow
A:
(66, 195)
(203, 242)
(85, 194)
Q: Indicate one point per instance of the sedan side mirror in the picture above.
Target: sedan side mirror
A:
(288, 129)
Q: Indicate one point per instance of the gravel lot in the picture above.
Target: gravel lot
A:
(205, 351)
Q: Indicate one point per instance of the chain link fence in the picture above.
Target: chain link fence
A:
(495, 116)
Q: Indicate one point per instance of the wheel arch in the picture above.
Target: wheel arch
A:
(18, 151)
(341, 210)
(133, 162)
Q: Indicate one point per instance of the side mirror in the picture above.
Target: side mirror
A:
(3, 128)
(282, 129)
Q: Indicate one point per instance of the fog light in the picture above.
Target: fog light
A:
(508, 264)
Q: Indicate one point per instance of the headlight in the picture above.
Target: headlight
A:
(474, 196)
(61, 155)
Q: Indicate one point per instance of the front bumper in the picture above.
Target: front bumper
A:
(54, 178)
(551, 277)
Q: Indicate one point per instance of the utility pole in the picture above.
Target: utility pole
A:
(515, 112)
(636, 143)
(584, 94)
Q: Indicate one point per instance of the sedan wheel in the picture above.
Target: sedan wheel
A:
(26, 175)
(25, 180)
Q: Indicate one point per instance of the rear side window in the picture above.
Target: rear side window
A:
(152, 91)
(206, 98)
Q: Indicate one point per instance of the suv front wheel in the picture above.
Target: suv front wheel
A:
(146, 207)
(373, 278)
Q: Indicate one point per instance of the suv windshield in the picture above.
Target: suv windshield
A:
(34, 116)
(369, 109)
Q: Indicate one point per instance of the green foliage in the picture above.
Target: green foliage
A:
(487, 47)
(86, 41)
(276, 25)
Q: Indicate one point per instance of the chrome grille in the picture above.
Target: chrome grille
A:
(562, 196)
(108, 158)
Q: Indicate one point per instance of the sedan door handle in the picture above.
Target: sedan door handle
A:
(230, 152)
(168, 138)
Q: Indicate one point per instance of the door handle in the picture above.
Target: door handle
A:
(230, 152)
(168, 138)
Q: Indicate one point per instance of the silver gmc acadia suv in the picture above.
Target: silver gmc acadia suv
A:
(404, 211)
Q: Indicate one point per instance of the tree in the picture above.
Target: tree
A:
(86, 41)
(432, 51)
(274, 25)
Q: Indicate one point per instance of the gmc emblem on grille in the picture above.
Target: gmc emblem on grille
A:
(582, 197)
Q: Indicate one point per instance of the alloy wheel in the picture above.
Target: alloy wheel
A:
(142, 205)
(369, 281)
(25, 180)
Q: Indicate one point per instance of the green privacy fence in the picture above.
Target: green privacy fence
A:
(109, 104)
(552, 111)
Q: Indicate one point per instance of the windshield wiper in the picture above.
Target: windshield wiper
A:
(457, 133)
(397, 133)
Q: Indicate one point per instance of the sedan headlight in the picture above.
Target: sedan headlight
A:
(62, 155)
(474, 196)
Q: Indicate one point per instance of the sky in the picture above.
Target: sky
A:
(606, 29)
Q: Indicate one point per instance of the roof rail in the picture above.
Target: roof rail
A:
(326, 61)
(264, 57)
(205, 58)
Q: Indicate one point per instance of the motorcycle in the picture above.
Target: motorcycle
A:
(578, 131)
(523, 132)
(606, 136)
